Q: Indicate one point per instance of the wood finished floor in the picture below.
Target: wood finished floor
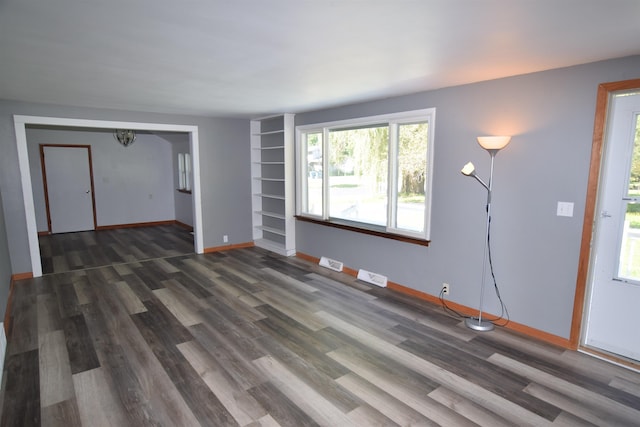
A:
(86, 249)
(246, 337)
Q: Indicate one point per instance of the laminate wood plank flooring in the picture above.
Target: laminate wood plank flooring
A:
(86, 249)
(246, 337)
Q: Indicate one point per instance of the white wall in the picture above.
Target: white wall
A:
(132, 184)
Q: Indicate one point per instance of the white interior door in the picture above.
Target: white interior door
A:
(68, 186)
(614, 301)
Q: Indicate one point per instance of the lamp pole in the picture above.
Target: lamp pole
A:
(492, 144)
(477, 323)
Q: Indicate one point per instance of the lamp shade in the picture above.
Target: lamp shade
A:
(493, 142)
(468, 169)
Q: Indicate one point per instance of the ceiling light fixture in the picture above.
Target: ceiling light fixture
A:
(124, 136)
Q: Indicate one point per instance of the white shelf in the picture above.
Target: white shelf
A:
(270, 196)
(272, 230)
(272, 132)
(277, 147)
(270, 214)
(269, 179)
(272, 154)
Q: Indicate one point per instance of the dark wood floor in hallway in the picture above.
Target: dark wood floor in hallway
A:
(86, 249)
(249, 338)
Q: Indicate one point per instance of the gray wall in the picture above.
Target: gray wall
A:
(550, 115)
(5, 263)
(132, 184)
(224, 173)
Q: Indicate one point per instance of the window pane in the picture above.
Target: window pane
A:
(187, 171)
(412, 169)
(629, 266)
(358, 165)
(313, 199)
(181, 182)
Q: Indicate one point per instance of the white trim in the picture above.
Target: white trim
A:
(187, 171)
(103, 124)
(27, 197)
(392, 173)
(198, 231)
(325, 173)
(402, 117)
(20, 123)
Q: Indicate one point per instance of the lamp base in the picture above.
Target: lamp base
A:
(478, 325)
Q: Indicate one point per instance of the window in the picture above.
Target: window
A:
(184, 172)
(372, 173)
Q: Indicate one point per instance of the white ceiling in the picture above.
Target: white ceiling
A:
(245, 58)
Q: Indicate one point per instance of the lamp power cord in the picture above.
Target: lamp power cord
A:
(503, 318)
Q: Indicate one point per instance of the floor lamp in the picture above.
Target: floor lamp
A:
(492, 144)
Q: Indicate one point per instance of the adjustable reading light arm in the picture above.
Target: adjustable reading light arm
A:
(470, 170)
(492, 144)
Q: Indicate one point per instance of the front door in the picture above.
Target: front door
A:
(67, 174)
(614, 300)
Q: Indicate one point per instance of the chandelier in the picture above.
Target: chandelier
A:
(124, 136)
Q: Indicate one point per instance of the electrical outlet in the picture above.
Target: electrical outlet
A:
(225, 238)
(445, 289)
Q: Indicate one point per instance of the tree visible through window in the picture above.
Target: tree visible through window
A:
(313, 167)
(412, 175)
(358, 162)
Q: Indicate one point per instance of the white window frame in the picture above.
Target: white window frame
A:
(184, 171)
(393, 120)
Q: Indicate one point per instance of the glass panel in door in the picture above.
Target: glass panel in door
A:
(629, 261)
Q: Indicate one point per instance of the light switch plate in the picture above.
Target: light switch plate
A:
(565, 209)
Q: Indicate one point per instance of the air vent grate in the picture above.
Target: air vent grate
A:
(373, 278)
(331, 264)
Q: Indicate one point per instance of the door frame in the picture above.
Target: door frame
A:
(46, 187)
(605, 90)
(20, 123)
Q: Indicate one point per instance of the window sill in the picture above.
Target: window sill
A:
(383, 234)
(182, 190)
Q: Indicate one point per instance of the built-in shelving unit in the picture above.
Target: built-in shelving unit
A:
(272, 183)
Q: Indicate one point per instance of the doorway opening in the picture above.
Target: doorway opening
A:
(21, 123)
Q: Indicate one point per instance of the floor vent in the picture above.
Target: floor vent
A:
(331, 263)
(373, 278)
